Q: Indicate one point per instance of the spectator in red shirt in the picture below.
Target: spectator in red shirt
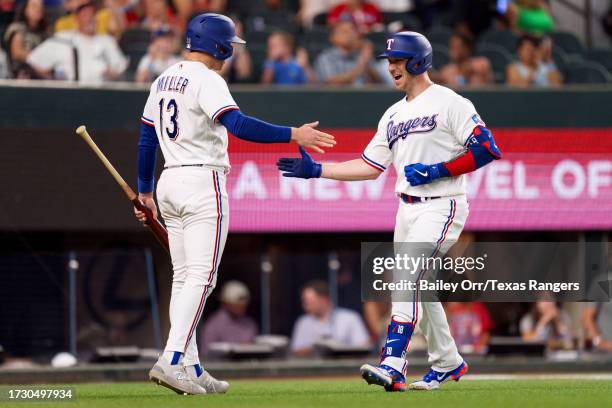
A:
(366, 16)
(470, 324)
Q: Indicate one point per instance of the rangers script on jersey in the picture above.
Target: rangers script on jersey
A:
(431, 128)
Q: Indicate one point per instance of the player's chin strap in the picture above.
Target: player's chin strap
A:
(481, 150)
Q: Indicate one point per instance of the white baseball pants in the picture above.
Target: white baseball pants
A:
(438, 221)
(193, 202)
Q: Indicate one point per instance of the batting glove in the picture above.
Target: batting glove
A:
(418, 174)
(302, 168)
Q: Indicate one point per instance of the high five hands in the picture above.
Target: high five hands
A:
(304, 168)
(311, 138)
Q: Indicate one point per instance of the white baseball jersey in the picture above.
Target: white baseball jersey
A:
(431, 128)
(184, 104)
(96, 54)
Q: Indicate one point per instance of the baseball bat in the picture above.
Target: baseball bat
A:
(154, 225)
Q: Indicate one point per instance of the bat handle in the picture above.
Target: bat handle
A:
(156, 227)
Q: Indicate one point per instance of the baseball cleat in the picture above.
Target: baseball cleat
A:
(385, 376)
(174, 377)
(433, 379)
(210, 384)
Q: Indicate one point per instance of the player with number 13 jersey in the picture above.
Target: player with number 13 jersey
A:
(188, 113)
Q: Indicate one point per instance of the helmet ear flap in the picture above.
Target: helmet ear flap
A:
(224, 51)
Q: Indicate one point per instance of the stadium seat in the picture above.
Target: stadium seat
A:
(560, 58)
(568, 42)
(134, 43)
(499, 58)
(439, 35)
(135, 38)
(440, 56)
(586, 72)
(258, 57)
(270, 22)
(318, 35)
(320, 20)
(258, 38)
(602, 56)
(6, 19)
(379, 40)
(314, 50)
(52, 13)
(502, 38)
(409, 21)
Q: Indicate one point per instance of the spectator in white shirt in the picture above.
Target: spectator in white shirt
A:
(80, 55)
(323, 321)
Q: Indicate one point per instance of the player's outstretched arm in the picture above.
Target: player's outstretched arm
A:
(305, 167)
(481, 150)
(255, 130)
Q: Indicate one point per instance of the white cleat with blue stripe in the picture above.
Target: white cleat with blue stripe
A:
(174, 377)
(433, 379)
(210, 383)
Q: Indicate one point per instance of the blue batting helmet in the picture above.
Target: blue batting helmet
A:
(412, 46)
(213, 34)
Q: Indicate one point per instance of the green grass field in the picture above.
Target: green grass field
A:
(347, 393)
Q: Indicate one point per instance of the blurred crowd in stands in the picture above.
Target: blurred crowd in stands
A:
(522, 43)
(552, 326)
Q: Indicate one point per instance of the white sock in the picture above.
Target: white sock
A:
(197, 369)
(173, 357)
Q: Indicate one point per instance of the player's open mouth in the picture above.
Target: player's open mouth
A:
(397, 77)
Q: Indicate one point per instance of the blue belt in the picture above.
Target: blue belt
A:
(183, 165)
(408, 199)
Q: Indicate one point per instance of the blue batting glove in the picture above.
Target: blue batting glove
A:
(418, 174)
(302, 168)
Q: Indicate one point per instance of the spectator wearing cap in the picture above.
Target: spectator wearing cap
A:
(534, 67)
(282, 67)
(349, 60)
(364, 15)
(160, 56)
(464, 68)
(23, 35)
(107, 20)
(80, 55)
(323, 321)
(230, 323)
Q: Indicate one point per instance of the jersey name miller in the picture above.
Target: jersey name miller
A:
(172, 84)
(403, 129)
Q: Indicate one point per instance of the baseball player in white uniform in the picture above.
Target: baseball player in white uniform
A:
(188, 114)
(432, 136)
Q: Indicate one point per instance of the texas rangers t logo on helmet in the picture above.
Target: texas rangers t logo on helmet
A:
(390, 41)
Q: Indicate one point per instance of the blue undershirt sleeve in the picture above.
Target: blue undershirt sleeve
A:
(147, 156)
(254, 130)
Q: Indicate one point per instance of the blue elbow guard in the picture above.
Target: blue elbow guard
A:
(483, 138)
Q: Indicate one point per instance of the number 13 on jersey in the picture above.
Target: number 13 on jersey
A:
(171, 112)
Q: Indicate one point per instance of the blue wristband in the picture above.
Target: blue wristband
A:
(317, 170)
